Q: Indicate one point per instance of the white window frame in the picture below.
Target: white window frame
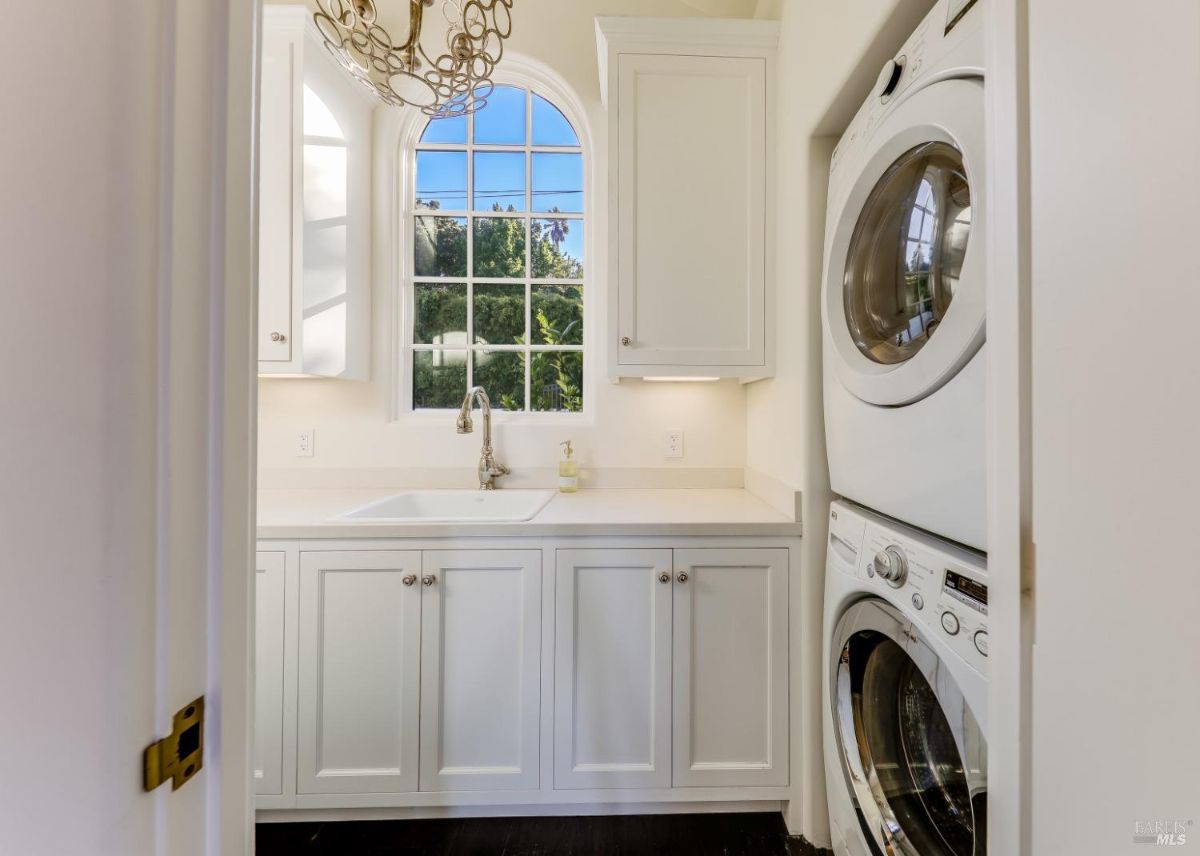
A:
(400, 131)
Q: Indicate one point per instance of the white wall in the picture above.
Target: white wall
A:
(830, 54)
(624, 430)
(1115, 294)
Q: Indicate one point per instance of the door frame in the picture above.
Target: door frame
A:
(1009, 442)
(234, 429)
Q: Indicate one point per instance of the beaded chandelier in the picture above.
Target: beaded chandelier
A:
(443, 67)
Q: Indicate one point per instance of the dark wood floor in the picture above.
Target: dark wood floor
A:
(633, 835)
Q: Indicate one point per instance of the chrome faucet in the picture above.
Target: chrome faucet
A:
(489, 470)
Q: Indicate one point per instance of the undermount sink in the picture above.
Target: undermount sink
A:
(452, 506)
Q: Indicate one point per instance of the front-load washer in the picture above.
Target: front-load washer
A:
(903, 288)
(905, 692)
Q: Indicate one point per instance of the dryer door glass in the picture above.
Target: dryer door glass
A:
(906, 253)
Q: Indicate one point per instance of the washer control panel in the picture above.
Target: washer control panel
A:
(938, 585)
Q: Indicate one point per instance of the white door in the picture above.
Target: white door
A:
(612, 670)
(904, 280)
(126, 443)
(691, 211)
(731, 675)
(268, 672)
(480, 669)
(360, 659)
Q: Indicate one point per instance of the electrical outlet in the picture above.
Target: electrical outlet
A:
(305, 440)
(673, 444)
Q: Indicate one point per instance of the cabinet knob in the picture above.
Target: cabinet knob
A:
(409, 579)
(428, 580)
(626, 341)
(278, 337)
(664, 578)
(683, 576)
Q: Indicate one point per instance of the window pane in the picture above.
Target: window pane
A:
(446, 131)
(557, 182)
(499, 314)
(502, 374)
(557, 249)
(550, 127)
(318, 120)
(325, 182)
(442, 180)
(502, 120)
(439, 379)
(440, 315)
(500, 246)
(556, 381)
(440, 246)
(557, 315)
(499, 181)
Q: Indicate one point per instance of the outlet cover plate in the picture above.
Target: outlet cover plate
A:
(673, 443)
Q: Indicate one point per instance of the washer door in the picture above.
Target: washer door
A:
(904, 289)
(914, 757)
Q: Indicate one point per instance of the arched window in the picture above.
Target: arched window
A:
(496, 275)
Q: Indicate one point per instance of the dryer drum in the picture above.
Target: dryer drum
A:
(913, 755)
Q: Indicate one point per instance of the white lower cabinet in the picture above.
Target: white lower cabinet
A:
(730, 713)
(360, 659)
(671, 668)
(480, 676)
(415, 677)
(268, 672)
(419, 671)
(612, 669)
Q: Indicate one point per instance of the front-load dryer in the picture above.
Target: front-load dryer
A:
(903, 289)
(905, 691)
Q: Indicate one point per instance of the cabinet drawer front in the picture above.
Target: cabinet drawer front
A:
(691, 210)
(359, 688)
(612, 669)
(480, 671)
(268, 672)
(731, 679)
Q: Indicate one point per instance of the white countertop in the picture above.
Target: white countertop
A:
(721, 511)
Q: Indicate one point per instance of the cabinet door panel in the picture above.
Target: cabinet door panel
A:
(480, 674)
(360, 643)
(731, 684)
(279, 180)
(612, 669)
(268, 672)
(691, 210)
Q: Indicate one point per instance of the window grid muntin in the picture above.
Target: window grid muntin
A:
(471, 348)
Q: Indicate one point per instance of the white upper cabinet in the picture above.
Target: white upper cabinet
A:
(690, 113)
(314, 206)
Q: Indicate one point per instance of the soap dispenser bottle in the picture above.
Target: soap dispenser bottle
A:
(568, 470)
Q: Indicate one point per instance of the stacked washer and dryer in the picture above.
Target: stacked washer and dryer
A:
(905, 633)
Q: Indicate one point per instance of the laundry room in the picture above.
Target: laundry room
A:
(597, 427)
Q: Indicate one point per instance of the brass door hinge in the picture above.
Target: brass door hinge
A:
(180, 755)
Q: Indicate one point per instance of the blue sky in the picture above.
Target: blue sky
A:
(500, 176)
